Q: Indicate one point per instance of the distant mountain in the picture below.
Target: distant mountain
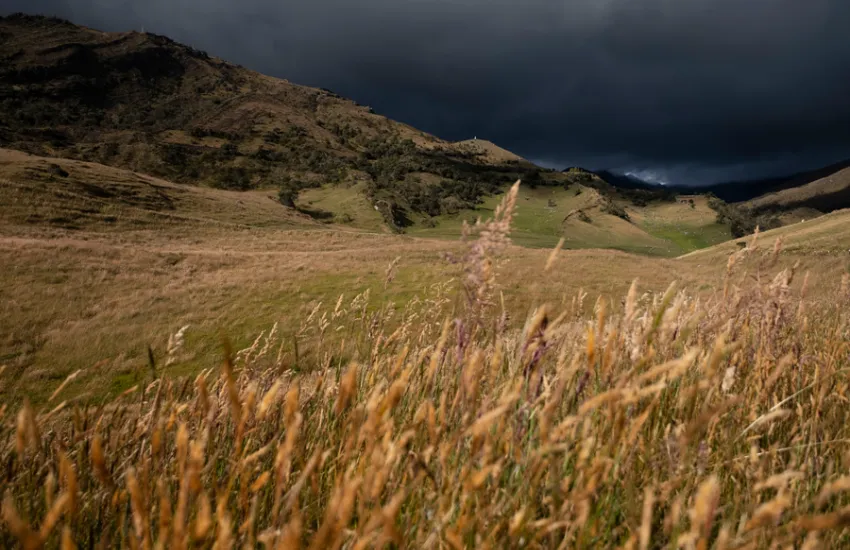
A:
(829, 193)
(821, 190)
(746, 190)
(625, 181)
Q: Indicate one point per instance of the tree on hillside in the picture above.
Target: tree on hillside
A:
(533, 179)
(288, 192)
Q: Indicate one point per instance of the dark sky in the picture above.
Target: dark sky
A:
(685, 91)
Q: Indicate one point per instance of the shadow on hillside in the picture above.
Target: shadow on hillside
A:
(315, 213)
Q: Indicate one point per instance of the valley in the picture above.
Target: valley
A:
(102, 263)
(238, 312)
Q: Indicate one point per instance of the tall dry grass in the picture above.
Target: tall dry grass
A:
(667, 421)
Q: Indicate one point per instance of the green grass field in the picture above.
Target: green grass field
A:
(686, 228)
(546, 214)
(347, 204)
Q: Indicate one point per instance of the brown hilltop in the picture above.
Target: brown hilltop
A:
(144, 102)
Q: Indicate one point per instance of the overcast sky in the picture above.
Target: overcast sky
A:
(685, 91)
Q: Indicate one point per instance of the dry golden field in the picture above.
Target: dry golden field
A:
(222, 372)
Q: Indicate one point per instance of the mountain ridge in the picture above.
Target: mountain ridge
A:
(748, 190)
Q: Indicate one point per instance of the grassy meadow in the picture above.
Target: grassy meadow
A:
(545, 214)
(176, 381)
(103, 264)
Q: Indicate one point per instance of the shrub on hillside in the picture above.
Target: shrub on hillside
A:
(56, 170)
(451, 205)
(533, 179)
(229, 150)
(741, 221)
(614, 209)
(236, 178)
(287, 195)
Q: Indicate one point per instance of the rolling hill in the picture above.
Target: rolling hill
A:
(747, 190)
(143, 102)
(102, 261)
(768, 202)
(488, 151)
(48, 194)
(832, 192)
(51, 194)
(826, 238)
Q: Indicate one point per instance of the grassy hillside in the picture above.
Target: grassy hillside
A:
(100, 250)
(823, 195)
(146, 103)
(487, 151)
(581, 216)
(42, 194)
(688, 222)
(819, 247)
(52, 193)
(826, 237)
(107, 262)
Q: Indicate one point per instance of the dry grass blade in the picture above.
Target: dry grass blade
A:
(67, 381)
(646, 518)
(766, 418)
(550, 261)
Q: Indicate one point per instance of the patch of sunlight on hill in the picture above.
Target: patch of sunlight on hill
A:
(537, 221)
(826, 237)
(546, 214)
(348, 205)
(687, 228)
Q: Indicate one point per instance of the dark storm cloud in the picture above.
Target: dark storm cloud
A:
(681, 90)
